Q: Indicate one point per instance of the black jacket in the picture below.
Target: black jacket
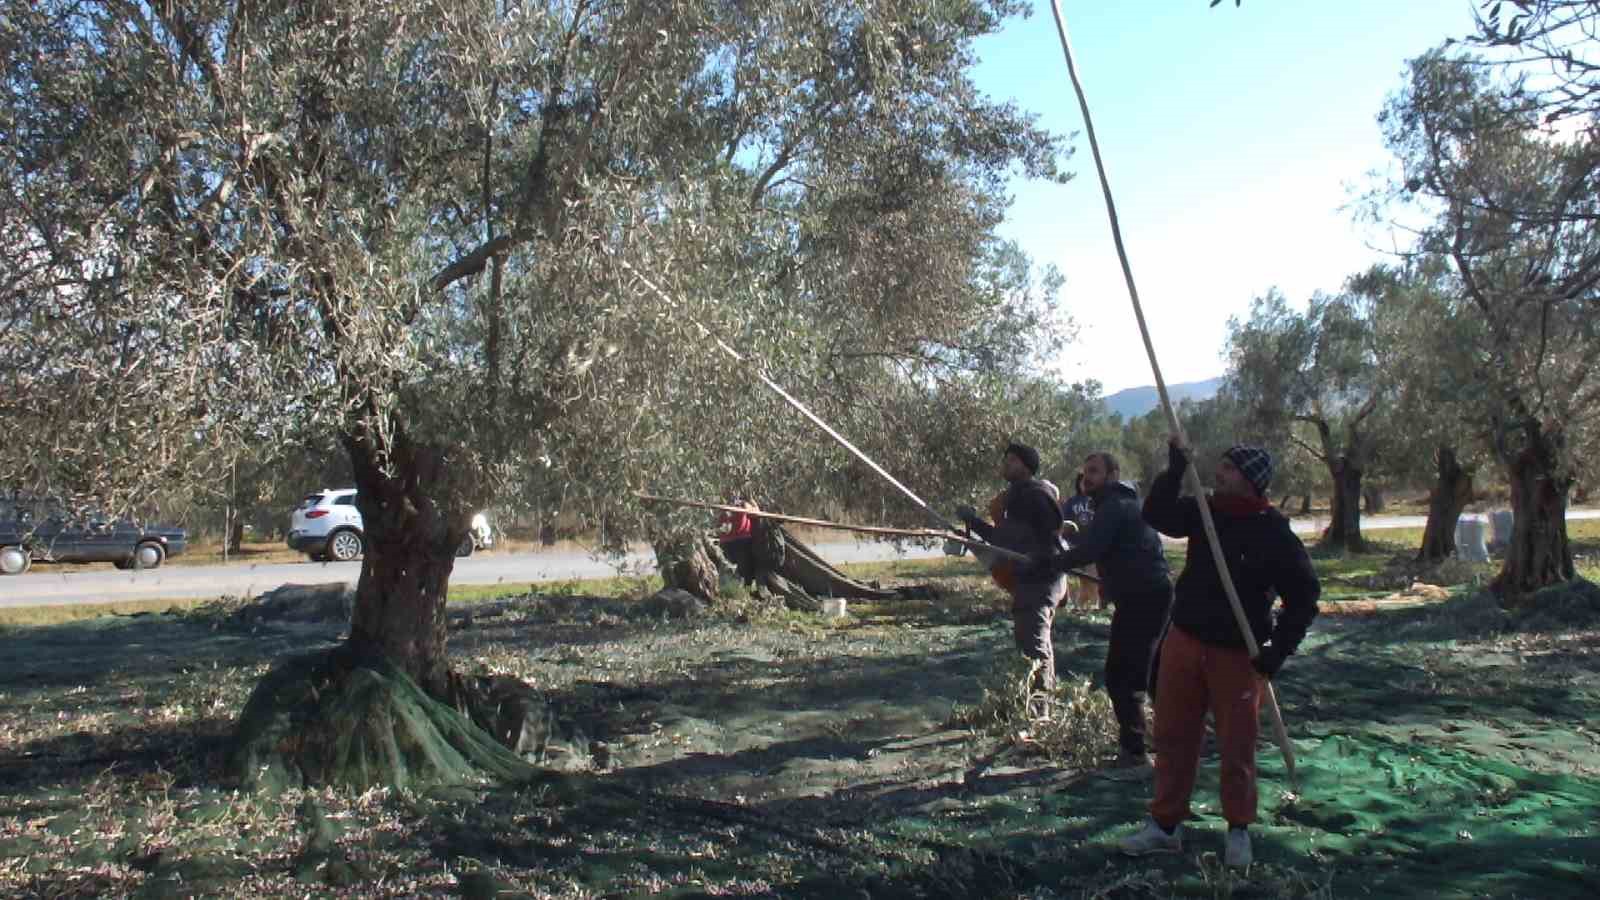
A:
(1264, 557)
(1127, 550)
(1030, 525)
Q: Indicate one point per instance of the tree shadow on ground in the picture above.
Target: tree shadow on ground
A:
(949, 823)
(185, 754)
(103, 653)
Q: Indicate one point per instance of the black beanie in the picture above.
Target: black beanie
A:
(1028, 455)
(1254, 463)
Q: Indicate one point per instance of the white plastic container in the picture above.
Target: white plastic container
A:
(1470, 544)
(833, 607)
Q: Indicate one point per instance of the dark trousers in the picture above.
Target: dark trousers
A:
(1033, 613)
(741, 552)
(1137, 625)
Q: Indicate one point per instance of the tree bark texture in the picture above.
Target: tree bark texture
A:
(1540, 554)
(1374, 500)
(1344, 528)
(684, 564)
(1452, 491)
(409, 553)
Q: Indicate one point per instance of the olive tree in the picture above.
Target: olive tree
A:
(422, 227)
(1510, 211)
(1318, 370)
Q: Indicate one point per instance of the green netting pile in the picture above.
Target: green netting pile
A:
(1373, 817)
(1417, 819)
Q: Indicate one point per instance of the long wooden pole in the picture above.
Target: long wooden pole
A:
(1280, 732)
(801, 407)
(819, 523)
(974, 543)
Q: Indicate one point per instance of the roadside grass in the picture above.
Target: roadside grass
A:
(1355, 577)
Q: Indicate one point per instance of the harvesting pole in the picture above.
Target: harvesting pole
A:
(800, 407)
(1280, 732)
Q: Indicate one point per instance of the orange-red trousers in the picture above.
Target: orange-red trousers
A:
(1193, 678)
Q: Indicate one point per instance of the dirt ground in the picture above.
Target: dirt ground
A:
(785, 755)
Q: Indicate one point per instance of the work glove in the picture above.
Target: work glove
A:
(967, 514)
(1269, 660)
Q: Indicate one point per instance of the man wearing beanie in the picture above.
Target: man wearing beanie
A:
(1028, 522)
(1204, 665)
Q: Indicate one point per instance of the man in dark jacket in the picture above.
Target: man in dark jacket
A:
(1134, 577)
(1204, 663)
(1028, 523)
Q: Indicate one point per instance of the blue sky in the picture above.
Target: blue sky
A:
(1235, 138)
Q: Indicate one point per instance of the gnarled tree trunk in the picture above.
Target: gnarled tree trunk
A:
(685, 563)
(1452, 491)
(1374, 500)
(384, 708)
(409, 553)
(1540, 554)
(1344, 529)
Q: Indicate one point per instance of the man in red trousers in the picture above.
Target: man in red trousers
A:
(1204, 664)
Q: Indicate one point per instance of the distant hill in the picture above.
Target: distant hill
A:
(1135, 402)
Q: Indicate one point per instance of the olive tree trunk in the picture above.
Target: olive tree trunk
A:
(1344, 529)
(384, 707)
(409, 553)
(1539, 554)
(1452, 491)
(1374, 499)
(687, 563)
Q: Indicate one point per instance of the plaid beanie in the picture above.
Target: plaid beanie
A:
(1252, 462)
(1028, 455)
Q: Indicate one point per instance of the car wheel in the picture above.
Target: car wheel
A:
(14, 560)
(466, 547)
(344, 546)
(149, 555)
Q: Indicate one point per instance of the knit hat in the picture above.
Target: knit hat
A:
(1254, 463)
(1028, 456)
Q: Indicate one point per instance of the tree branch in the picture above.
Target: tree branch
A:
(475, 261)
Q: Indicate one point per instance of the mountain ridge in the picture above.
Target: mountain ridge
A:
(1131, 403)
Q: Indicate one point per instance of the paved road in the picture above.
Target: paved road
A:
(45, 586)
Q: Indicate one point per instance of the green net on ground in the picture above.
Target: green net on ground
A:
(1373, 817)
(1422, 819)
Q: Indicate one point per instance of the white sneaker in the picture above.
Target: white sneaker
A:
(1152, 839)
(1237, 855)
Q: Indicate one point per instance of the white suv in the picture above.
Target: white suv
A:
(327, 526)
